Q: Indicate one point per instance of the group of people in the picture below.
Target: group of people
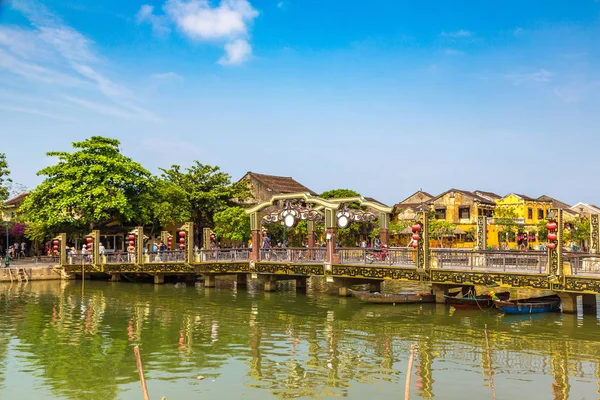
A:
(16, 250)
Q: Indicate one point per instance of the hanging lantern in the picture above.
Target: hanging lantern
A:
(182, 246)
(131, 242)
(56, 242)
(182, 240)
(415, 237)
(55, 247)
(551, 226)
(415, 245)
(131, 237)
(89, 240)
(552, 246)
(416, 227)
(552, 236)
(182, 234)
(212, 237)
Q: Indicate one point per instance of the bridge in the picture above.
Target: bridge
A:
(568, 274)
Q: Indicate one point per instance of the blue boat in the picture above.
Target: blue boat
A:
(529, 306)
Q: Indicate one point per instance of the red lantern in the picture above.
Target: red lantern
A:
(169, 239)
(56, 242)
(131, 237)
(552, 236)
(416, 227)
(416, 237)
(182, 234)
(55, 247)
(131, 242)
(415, 244)
(551, 226)
(182, 240)
(552, 246)
(89, 240)
(212, 236)
(181, 246)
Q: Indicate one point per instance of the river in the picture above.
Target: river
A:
(65, 340)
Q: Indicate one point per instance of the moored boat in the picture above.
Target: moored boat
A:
(530, 306)
(470, 302)
(394, 298)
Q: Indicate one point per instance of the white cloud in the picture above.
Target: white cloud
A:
(453, 52)
(458, 34)
(280, 4)
(227, 22)
(166, 75)
(35, 112)
(54, 53)
(159, 23)
(540, 76)
(236, 52)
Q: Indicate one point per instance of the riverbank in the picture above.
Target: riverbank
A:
(29, 273)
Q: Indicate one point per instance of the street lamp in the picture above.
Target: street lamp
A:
(6, 219)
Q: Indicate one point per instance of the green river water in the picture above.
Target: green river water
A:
(62, 340)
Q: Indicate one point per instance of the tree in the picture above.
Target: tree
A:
(90, 187)
(206, 190)
(4, 179)
(506, 219)
(440, 229)
(233, 224)
(166, 203)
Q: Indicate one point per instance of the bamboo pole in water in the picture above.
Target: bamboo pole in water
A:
(409, 372)
(138, 360)
(489, 357)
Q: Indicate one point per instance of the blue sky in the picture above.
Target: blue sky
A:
(383, 97)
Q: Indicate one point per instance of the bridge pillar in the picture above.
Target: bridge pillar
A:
(301, 283)
(440, 290)
(256, 238)
(210, 280)
(310, 225)
(332, 255)
(481, 232)
(569, 302)
(159, 279)
(115, 277)
(270, 284)
(384, 225)
(590, 304)
(595, 234)
(241, 280)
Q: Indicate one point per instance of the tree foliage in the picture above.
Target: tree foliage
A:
(232, 224)
(352, 234)
(506, 219)
(440, 230)
(91, 186)
(4, 179)
(205, 190)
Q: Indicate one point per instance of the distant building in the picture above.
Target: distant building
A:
(585, 209)
(407, 209)
(263, 187)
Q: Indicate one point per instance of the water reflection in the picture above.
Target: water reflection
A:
(280, 344)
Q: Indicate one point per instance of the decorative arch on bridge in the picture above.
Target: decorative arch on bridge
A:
(335, 213)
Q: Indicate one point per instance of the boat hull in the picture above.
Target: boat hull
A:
(530, 306)
(394, 298)
(483, 302)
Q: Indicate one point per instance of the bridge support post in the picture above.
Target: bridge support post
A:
(301, 284)
(481, 232)
(595, 234)
(384, 225)
(440, 290)
(210, 280)
(256, 238)
(569, 302)
(590, 305)
(115, 277)
(159, 279)
(270, 284)
(240, 280)
(310, 225)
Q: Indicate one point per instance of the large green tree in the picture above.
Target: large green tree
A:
(352, 234)
(206, 190)
(4, 179)
(233, 224)
(506, 219)
(88, 188)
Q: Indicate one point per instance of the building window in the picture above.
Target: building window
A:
(440, 213)
(464, 212)
(540, 213)
(530, 213)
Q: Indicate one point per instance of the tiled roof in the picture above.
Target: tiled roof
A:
(555, 203)
(488, 195)
(372, 200)
(281, 184)
(425, 194)
(469, 194)
(526, 198)
(17, 200)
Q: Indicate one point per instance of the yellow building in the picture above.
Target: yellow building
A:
(461, 208)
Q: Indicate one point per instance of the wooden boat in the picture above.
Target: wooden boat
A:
(530, 306)
(481, 302)
(394, 298)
